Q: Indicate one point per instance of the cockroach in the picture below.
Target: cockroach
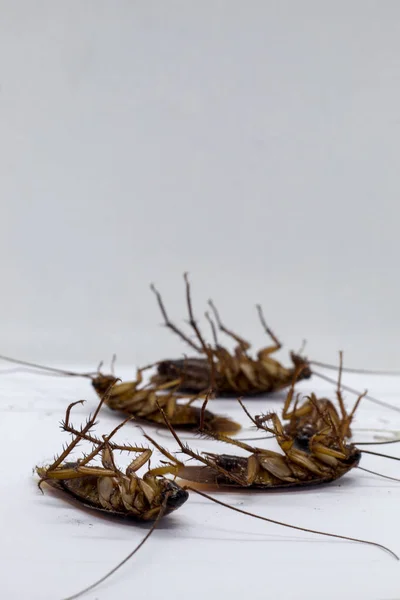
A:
(132, 398)
(237, 373)
(323, 457)
(107, 488)
(311, 417)
(125, 494)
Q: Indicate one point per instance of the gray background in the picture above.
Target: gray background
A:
(254, 144)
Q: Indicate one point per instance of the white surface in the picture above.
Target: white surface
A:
(254, 144)
(51, 549)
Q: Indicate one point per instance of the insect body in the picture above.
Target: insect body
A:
(237, 373)
(133, 398)
(105, 487)
(142, 402)
(326, 459)
(314, 414)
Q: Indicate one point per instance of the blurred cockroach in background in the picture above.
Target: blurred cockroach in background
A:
(237, 373)
(140, 401)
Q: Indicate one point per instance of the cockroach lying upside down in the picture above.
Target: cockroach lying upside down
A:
(237, 373)
(105, 487)
(313, 416)
(314, 448)
(141, 401)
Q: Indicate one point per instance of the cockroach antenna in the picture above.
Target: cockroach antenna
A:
(186, 450)
(127, 558)
(137, 398)
(353, 391)
(54, 370)
(355, 370)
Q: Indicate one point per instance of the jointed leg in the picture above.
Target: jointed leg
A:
(347, 422)
(68, 427)
(289, 398)
(85, 430)
(259, 420)
(171, 325)
(209, 463)
(192, 322)
(213, 329)
(339, 386)
(277, 344)
(243, 344)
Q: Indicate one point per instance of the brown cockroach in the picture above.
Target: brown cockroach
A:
(311, 417)
(140, 401)
(323, 457)
(107, 488)
(323, 462)
(237, 373)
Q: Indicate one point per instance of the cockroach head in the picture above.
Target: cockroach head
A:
(102, 383)
(176, 495)
(301, 362)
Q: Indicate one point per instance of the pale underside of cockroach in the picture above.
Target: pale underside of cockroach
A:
(123, 494)
(272, 472)
(129, 398)
(236, 373)
(326, 458)
(106, 487)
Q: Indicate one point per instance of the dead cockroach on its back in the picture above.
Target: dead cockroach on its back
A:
(140, 401)
(105, 487)
(314, 445)
(327, 458)
(237, 373)
(311, 417)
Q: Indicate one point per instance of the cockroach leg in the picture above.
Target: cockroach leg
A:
(169, 323)
(192, 321)
(213, 329)
(243, 344)
(86, 429)
(277, 344)
(189, 452)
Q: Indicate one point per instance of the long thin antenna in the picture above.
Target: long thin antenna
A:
(379, 474)
(44, 368)
(353, 391)
(333, 535)
(376, 443)
(130, 555)
(251, 439)
(353, 370)
(381, 455)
